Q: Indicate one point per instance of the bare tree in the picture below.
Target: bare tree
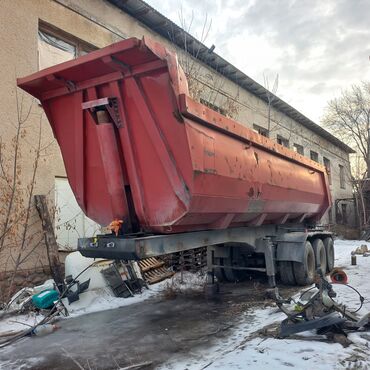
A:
(270, 95)
(203, 86)
(348, 117)
(20, 157)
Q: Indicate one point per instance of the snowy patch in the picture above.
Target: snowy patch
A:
(18, 323)
(101, 299)
(238, 352)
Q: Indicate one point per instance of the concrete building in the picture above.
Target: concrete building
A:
(37, 34)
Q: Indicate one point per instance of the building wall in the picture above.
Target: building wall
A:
(99, 23)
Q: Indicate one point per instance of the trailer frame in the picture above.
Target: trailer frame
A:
(275, 243)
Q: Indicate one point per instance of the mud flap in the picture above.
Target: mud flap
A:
(290, 247)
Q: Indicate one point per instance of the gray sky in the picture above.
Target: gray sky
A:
(317, 47)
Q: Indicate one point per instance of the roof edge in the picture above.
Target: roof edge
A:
(163, 26)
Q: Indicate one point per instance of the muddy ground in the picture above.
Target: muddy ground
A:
(153, 331)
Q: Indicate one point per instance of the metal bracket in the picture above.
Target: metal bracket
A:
(108, 104)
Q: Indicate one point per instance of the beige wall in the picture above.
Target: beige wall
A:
(100, 23)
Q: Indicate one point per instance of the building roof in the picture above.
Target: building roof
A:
(160, 24)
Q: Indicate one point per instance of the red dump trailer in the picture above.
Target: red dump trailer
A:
(138, 148)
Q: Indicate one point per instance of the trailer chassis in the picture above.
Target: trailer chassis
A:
(274, 243)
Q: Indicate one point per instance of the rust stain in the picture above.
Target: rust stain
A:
(209, 153)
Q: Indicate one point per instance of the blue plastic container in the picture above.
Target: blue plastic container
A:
(45, 299)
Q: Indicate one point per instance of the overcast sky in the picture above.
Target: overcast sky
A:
(318, 47)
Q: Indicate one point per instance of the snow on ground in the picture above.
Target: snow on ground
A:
(18, 323)
(237, 352)
(101, 299)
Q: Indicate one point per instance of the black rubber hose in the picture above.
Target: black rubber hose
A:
(362, 298)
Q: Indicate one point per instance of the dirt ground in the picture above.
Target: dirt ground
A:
(153, 331)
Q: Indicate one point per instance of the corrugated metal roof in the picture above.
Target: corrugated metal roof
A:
(169, 30)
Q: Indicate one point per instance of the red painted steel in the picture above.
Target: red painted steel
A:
(183, 166)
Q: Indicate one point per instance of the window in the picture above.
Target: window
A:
(327, 166)
(261, 130)
(298, 148)
(341, 177)
(282, 141)
(314, 156)
(55, 46)
(214, 107)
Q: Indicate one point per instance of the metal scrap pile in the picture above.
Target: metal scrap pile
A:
(318, 310)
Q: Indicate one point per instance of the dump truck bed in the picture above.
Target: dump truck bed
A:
(138, 148)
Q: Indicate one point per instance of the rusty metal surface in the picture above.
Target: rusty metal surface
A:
(171, 165)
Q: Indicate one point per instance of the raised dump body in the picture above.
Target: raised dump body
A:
(137, 148)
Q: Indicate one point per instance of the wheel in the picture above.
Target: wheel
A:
(330, 256)
(320, 255)
(218, 271)
(229, 273)
(304, 272)
(286, 273)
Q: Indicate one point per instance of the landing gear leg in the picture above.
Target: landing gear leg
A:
(212, 287)
(266, 246)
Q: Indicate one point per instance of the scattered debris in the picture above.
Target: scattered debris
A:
(318, 310)
(361, 249)
(154, 270)
(122, 279)
(116, 278)
(75, 288)
(44, 329)
(45, 299)
(19, 302)
(136, 366)
(48, 284)
(338, 276)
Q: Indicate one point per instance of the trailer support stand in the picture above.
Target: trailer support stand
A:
(270, 264)
(265, 246)
(212, 287)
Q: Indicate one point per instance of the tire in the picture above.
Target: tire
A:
(229, 273)
(320, 255)
(330, 255)
(286, 273)
(304, 272)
